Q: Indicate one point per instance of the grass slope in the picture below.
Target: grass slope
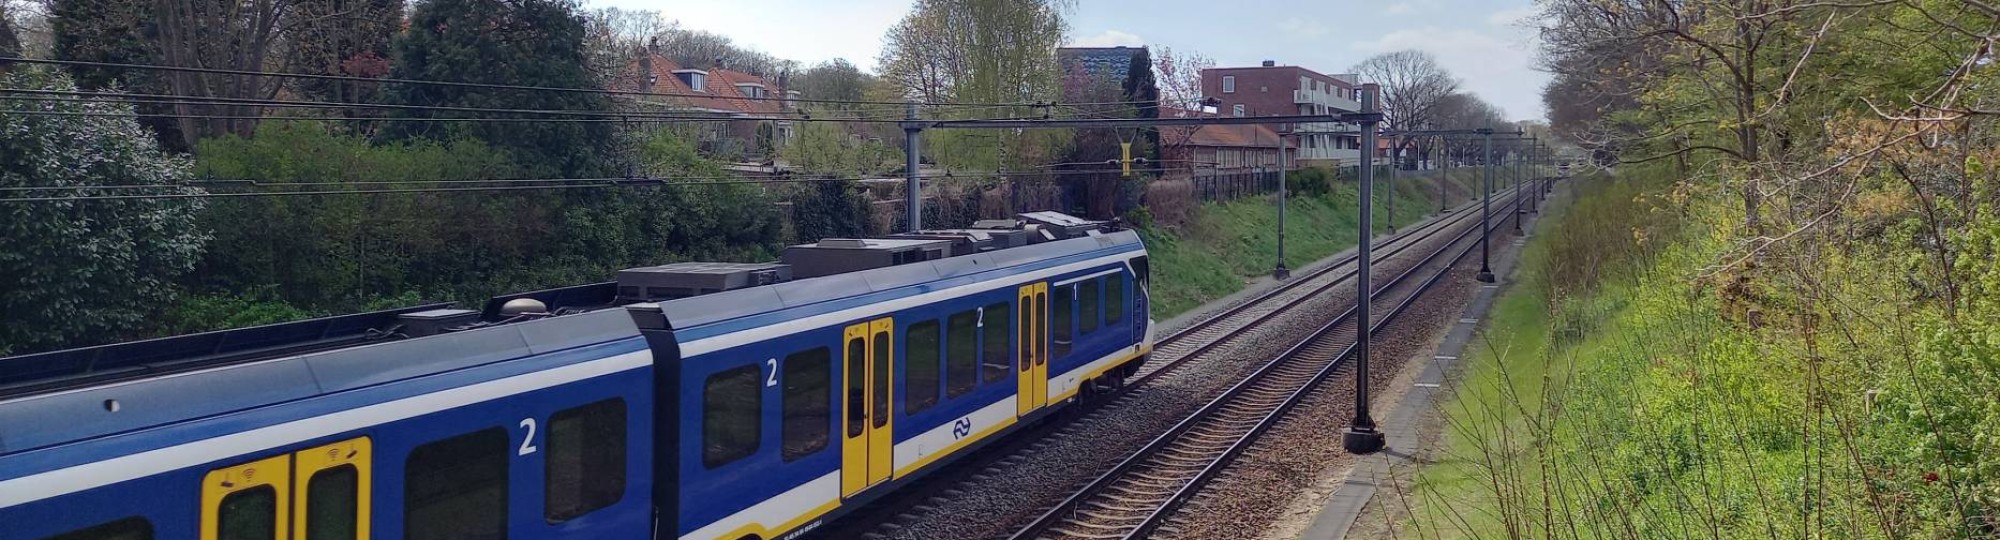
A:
(1227, 245)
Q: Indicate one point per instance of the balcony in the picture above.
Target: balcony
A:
(1327, 127)
(1334, 101)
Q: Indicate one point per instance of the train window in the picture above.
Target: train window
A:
(585, 469)
(880, 378)
(333, 510)
(730, 404)
(250, 514)
(961, 353)
(1114, 299)
(1142, 270)
(857, 386)
(920, 366)
(806, 402)
(1091, 303)
(995, 335)
(1060, 323)
(131, 528)
(456, 488)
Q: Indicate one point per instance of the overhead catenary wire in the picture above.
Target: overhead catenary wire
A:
(541, 184)
(601, 116)
(497, 86)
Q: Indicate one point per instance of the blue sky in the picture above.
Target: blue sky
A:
(1481, 41)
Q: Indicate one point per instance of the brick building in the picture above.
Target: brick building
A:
(1274, 90)
(749, 101)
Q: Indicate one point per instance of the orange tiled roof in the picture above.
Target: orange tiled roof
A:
(719, 92)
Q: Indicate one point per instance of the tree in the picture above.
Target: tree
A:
(240, 36)
(616, 38)
(1180, 78)
(341, 37)
(524, 42)
(1143, 94)
(85, 271)
(9, 44)
(980, 51)
(700, 49)
(834, 79)
(1412, 83)
(115, 32)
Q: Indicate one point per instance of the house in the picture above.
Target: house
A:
(1206, 150)
(743, 103)
(1274, 90)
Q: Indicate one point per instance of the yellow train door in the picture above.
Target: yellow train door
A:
(320, 493)
(866, 447)
(1033, 339)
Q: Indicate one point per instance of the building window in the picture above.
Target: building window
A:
(1237, 110)
(1229, 85)
(585, 469)
(1305, 83)
(457, 487)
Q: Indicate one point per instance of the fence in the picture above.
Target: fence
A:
(1230, 185)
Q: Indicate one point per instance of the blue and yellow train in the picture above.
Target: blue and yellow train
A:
(692, 401)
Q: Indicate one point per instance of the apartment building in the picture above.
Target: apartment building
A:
(1275, 90)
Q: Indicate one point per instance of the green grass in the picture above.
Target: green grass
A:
(1227, 245)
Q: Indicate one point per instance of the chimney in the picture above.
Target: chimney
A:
(718, 62)
(1270, 63)
(653, 45)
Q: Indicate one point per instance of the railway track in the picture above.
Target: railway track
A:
(1138, 495)
(1176, 350)
(1194, 340)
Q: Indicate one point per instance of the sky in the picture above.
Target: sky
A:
(1482, 42)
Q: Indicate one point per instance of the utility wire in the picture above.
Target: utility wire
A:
(594, 115)
(157, 67)
(545, 184)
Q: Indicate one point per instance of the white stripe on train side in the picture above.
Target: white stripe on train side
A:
(778, 509)
(710, 344)
(96, 474)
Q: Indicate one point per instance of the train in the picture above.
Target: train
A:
(690, 400)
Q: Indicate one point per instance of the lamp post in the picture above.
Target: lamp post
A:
(1361, 436)
(1485, 208)
(1444, 175)
(1280, 272)
(913, 198)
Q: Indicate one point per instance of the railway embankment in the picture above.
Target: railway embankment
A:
(1642, 375)
(1225, 247)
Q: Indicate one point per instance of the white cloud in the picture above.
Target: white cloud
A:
(1303, 28)
(1109, 38)
(1409, 7)
(1499, 70)
(1512, 16)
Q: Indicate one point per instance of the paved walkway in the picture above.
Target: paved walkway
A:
(1345, 505)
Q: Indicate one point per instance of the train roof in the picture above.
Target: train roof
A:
(123, 387)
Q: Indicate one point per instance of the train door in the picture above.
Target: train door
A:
(315, 494)
(866, 448)
(1033, 347)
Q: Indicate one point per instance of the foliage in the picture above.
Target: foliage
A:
(828, 148)
(830, 209)
(341, 37)
(835, 79)
(528, 43)
(115, 32)
(85, 271)
(980, 51)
